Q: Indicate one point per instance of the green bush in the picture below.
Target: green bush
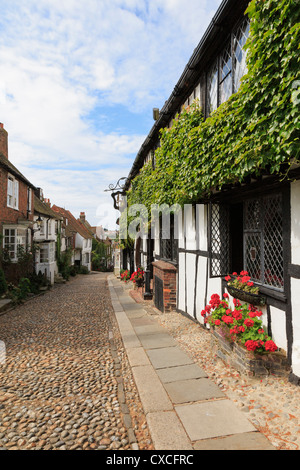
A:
(3, 283)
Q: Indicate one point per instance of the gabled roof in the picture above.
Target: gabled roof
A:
(73, 223)
(44, 209)
(87, 227)
(5, 163)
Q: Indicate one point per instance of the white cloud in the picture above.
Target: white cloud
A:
(62, 59)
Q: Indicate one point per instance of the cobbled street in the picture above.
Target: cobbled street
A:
(63, 383)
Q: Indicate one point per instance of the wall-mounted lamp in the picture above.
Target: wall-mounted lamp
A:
(38, 221)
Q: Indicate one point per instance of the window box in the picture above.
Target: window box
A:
(249, 363)
(253, 299)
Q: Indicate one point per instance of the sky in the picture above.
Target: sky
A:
(78, 83)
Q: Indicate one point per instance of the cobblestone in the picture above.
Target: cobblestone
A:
(59, 385)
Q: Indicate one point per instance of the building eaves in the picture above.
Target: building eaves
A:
(8, 166)
(42, 208)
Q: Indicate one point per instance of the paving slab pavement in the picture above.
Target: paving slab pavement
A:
(175, 392)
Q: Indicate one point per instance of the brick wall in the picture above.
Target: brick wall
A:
(7, 214)
(167, 273)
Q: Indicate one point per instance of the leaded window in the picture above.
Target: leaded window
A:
(212, 89)
(225, 75)
(263, 240)
(239, 54)
(248, 236)
(219, 240)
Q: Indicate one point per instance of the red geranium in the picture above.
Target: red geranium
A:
(251, 345)
(248, 322)
(270, 346)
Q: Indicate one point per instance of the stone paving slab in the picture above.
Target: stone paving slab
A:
(244, 441)
(160, 424)
(173, 374)
(152, 393)
(212, 419)
(168, 357)
(159, 340)
(130, 339)
(134, 313)
(184, 391)
(145, 321)
(137, 357)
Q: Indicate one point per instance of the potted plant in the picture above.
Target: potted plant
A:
(125, 275)
(138, 277)
(241, 287)
(242, 321)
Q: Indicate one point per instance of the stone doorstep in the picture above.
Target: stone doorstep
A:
(5, 304)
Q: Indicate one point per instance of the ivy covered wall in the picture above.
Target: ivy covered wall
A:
(256, 130)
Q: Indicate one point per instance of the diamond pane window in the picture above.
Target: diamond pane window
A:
(212, 89)
(225, 75)
(219, 240)
(263, 240)
(239, 54)
(273, 242)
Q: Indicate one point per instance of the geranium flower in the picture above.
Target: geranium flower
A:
(248, 322)
(270, 346)
(251, 345)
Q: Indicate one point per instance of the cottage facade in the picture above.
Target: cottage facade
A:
(252, 226)
(47, 225)
(77, 236)
(16, 204)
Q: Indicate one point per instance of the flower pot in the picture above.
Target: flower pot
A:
(253, 299)
(139, 282)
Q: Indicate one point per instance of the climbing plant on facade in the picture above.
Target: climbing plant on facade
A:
(255, 130)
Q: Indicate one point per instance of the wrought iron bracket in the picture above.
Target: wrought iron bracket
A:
(117, 189)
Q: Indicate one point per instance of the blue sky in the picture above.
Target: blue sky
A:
(78, 82)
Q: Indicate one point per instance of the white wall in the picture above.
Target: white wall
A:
(295, 283)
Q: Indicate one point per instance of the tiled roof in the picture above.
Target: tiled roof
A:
(44, 209)
(5, 163)
(73, 223)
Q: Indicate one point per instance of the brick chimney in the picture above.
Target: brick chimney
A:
(82, 216)
(3, 141)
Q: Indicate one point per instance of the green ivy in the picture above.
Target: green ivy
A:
(256, 130)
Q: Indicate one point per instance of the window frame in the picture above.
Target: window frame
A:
(284, 191)
(172, 241)
(15, 243)
(12, 198)
(217, 66)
